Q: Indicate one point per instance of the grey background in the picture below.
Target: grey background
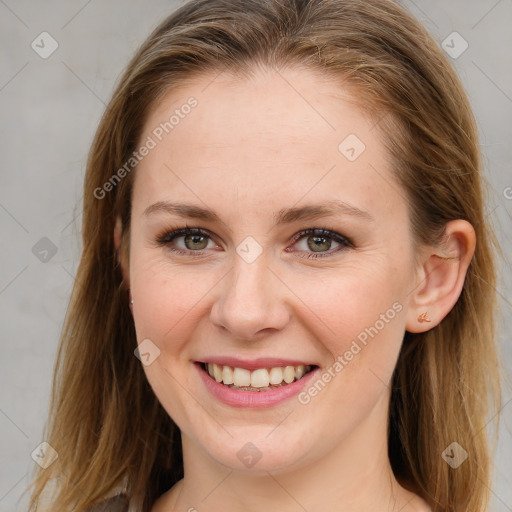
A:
(49, 111)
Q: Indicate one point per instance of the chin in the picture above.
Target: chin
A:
(257, 449)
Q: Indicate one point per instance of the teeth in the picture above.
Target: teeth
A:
(289, 374)
(300, 371)
(217, 373)
(276, 375)
(241, 377)
(261, 379)
(227, 375)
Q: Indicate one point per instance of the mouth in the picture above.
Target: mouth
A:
(257, 379)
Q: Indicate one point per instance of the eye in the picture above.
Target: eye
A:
(194, 240)
(318, 239)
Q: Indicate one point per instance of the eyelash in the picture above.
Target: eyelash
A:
(170, 235)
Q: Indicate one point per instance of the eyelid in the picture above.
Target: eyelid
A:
(329, 233)
(170, 234)
(344, 242)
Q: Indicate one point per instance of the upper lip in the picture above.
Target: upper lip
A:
(253, 364)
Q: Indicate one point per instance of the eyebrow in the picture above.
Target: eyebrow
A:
(284, 216)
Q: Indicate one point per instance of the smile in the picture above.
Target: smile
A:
(257, 384)
(260, 379)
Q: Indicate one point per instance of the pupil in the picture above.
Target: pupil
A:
(196, 239)
(318, 243)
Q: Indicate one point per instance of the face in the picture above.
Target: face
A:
(259, 284)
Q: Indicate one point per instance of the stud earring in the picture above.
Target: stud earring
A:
(423, 317)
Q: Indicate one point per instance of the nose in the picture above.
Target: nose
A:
(252, 301)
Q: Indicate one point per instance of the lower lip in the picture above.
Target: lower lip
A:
(253, 399)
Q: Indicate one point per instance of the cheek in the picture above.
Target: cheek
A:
(366, 320)
(167, 310)
(168, 299)
(360, 319)
(349, 301)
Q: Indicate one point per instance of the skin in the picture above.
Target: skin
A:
(250, 148)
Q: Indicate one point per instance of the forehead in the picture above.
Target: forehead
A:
(296, 105)
(276, 135)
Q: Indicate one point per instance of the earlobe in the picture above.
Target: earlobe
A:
(441, 277)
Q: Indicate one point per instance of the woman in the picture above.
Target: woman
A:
(286, 294)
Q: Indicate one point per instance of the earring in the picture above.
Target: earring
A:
(131, 300)
(424, 317)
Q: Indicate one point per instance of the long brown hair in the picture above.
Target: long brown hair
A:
(106, 423)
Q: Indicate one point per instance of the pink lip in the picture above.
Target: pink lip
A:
(253, 364)
(253, 399)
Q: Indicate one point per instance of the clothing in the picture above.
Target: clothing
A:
(118, 503)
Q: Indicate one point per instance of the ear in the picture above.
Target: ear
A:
(118, 232)
(441, 276)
